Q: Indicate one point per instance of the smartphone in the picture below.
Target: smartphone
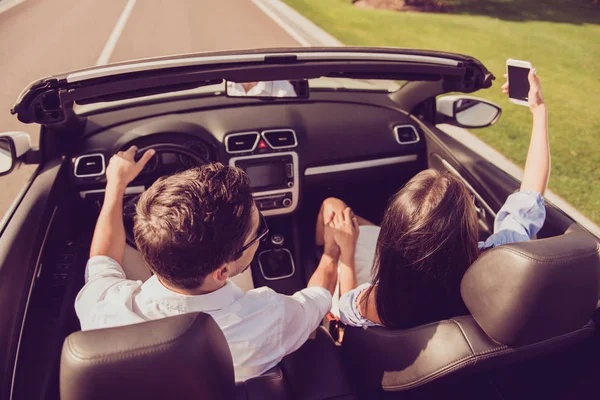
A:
(518, 81)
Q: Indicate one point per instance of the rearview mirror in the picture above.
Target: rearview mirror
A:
(468, 112)
(12, 146)
(268, 89)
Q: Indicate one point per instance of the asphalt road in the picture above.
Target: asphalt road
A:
(45, 37)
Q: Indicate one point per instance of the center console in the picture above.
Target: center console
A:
(275, 184)
(274, 179)
(278, 258)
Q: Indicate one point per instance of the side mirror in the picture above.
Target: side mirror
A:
(13, 145)
(468, 112)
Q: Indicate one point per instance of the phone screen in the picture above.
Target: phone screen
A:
(518, 83)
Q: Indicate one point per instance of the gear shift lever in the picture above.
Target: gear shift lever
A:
(277, 239)
(276, 263)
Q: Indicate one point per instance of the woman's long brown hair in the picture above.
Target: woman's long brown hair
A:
(428, 239)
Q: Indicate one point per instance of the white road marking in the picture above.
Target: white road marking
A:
(109, 47)
(298, 26)
(9, 4)
(282, 24)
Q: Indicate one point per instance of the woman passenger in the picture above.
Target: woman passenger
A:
(428, 239)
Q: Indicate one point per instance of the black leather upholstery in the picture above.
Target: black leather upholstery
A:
(383, 359)
(316, 371)
(530, 298)
(182, 357)
(526, 292)
(271, 385)
(187, 357)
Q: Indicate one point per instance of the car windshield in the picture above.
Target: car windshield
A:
(318, 84)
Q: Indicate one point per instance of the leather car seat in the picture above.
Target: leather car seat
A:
(187, 357)
(182, 357)
(526, 299)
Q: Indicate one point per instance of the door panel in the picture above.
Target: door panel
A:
(20, 247)
(491, 184)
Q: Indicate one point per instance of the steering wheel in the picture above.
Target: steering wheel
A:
(129, 206)
(172, 148)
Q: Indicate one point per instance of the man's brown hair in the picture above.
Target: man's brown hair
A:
(189, 224)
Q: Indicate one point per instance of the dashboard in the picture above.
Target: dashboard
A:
(177, 161)
(283, 147)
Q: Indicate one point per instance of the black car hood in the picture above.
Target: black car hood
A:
(50, 100)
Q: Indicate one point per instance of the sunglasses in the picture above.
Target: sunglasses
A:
(263, 230)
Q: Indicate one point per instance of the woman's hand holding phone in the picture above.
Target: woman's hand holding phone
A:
(535, 97)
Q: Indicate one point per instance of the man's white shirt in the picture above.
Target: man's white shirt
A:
(261, 326)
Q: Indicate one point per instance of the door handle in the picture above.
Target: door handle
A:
(479, 208)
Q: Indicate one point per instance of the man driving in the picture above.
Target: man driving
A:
(195, 230)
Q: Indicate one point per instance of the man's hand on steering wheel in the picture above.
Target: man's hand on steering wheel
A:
(122, 167)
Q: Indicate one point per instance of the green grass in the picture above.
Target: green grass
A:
(560, 38)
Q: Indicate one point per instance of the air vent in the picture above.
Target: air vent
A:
(90, 165)
(406, 134)
(280, 138)
(241, 142)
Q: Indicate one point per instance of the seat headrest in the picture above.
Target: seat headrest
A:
(525, 292)
(182, 357)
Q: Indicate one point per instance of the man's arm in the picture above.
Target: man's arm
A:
(109, 235)
(325, 275)
(304, 311)
(348, 279)
(345, 233)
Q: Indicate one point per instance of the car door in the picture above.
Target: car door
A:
(23, 233)
(489, 184)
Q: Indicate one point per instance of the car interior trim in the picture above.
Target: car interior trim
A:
(418, 138)
(78, 160)
(294, 190)
(246, 58)
(152, 65)
(262, 271)
(454, 172)
(241, 134)
(128, 190)
(280, 130)
(36, 274)
(15, 204)
(327, 169)
(377, 57)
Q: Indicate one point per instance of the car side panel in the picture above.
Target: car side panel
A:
(20, 246)
(491, 183)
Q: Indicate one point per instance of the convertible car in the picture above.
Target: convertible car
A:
(305, 124)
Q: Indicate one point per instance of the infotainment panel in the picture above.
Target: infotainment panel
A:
(267, 175)
(273, 179)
